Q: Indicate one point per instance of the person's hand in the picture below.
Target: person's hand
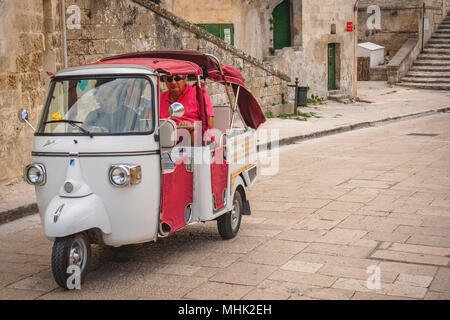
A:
(185, 124)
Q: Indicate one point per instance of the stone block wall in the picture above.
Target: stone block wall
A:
(29, 45)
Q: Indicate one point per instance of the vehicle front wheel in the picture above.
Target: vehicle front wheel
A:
(229, 223)
(71, 257)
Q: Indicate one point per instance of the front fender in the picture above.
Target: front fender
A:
(75, 215)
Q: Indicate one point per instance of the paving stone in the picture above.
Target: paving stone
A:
(16, 294)
(44, 284)
(259, 256)
(353, 285)
(410, 257)
(408, 268)
(342, 236)
(260, 294)
(338, 250)
(315, 224)
(206, 272)
(220, 260)
(301, 266)
(434, 295)
(376, 296)
(414, 280)
(282, 246)
(303, 278)
(300, 235)
(436, 251)
(404, 290)
(329, 293)
(387, 236)
(356, 273)
(218, 291)
(177, 269)
(334, 259)
(429, 240)
(244, 273)
(441, 281)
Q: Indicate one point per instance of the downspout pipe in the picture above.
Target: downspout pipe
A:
(355, 44)
(63, 17)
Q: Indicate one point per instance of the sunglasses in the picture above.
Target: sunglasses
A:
(176, 78)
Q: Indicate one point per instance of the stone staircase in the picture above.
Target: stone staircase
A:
(431, 70)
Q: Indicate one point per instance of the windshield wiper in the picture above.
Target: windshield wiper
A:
(73, 123)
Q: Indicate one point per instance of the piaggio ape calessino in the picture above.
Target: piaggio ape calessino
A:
(138, 178)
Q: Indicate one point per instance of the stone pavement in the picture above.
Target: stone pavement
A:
(342, 212)
(379, 104)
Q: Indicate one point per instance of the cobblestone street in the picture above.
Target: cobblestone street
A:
(340, 209)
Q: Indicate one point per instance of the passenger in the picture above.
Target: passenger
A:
(113, 116)
(185, 94)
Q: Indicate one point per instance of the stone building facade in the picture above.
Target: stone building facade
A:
(313, 27)
(398, 21)
(31, 44)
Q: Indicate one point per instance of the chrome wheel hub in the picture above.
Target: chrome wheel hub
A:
(77, 254)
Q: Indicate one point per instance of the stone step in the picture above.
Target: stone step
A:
(439, 41)
(427, 74)
(429, 56)
(430, 68)
(426, 80)
(437, 46)
(443, 51)
(423, 85)
(441, 36)
(432, 63)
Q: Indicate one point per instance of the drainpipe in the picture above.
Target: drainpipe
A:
(355, 44)
(63, 17)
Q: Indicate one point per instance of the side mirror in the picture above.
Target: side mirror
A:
(176, 110)
(23, 117)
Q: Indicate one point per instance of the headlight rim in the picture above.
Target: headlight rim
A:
(42, 180)
(127, 175)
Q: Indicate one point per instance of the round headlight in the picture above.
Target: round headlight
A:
(35, 174)
(119, 176)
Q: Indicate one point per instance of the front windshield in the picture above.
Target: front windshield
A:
(99, 106)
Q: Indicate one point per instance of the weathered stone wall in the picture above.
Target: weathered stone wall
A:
(29, 40)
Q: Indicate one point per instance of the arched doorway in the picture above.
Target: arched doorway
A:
(282, 25)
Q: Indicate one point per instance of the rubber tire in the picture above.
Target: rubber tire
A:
(60, 258)
(225, 223)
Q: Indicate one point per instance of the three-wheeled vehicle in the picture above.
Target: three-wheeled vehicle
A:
(108, 170)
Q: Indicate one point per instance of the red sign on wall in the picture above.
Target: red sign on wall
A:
(349, 26)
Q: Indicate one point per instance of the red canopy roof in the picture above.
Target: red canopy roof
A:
(188, 62)
(161, 65)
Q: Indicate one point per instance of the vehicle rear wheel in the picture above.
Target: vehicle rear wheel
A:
(229, 223)
(69, 251)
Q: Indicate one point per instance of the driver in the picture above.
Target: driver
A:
(113, 115)
(185, 94)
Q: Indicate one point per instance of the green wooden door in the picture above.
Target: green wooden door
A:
(331, 66)
(282, 25)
